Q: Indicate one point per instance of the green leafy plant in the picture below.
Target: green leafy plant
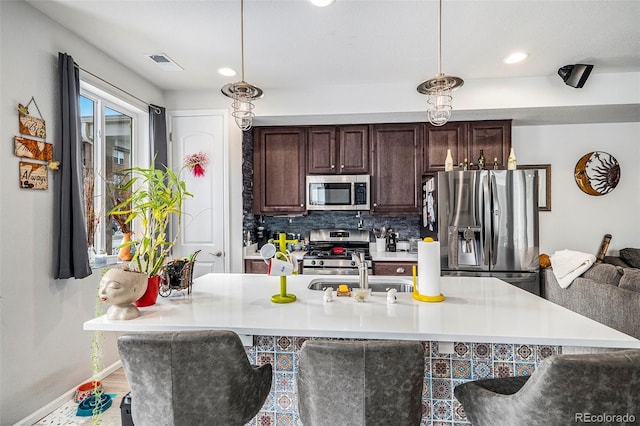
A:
(154, 197)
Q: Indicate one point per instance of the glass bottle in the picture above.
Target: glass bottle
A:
(465, 165)
(495, 163)
(511, 162)
(448, 162)
(481, 160)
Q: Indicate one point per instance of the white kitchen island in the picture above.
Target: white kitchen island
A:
(484, 328)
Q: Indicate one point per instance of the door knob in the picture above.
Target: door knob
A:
(217, 254)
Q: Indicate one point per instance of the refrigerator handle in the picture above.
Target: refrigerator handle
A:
(487, 220)
(495, 225)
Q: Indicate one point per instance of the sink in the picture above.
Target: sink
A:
(375, 284)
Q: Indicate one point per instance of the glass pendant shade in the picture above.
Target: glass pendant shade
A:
(438, 89)
(242, 93)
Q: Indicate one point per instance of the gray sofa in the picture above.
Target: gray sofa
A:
(608, 292)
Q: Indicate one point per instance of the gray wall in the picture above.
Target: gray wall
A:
(43, 350)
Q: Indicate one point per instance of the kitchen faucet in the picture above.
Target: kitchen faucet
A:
(363, 271)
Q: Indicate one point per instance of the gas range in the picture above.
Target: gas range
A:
(330, 251)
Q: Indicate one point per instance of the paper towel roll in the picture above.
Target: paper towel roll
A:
(429, 268)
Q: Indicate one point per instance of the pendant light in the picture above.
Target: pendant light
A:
(241, 92)
(438, 89)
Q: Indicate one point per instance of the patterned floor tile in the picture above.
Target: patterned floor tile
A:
(461, 350)
(503, 369)
(266, 418)
(545, 352)
(284, 362)
(284, 382)
(458, 411)
(285, 402)
(440, 367)
(503, 352)
(461, 369)
(482, 370)
(441, 389)
(284, 419)
(441, 410)
(524, 369)
(481, 351)
(264, 343)
(524, 353)
(263, 358)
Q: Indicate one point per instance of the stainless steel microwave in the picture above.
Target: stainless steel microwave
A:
(338, 192)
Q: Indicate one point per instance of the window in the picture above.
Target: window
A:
(108, 128)
(118, 157)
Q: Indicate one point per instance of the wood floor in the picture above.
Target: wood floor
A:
(116, 383)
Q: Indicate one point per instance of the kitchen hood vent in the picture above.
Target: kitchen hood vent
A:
(166, 63)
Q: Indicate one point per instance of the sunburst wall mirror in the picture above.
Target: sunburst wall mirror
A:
(597, 173)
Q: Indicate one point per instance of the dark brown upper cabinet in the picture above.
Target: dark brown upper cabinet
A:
(494, 138)
(338, 150)
(465, 140)
(397, 168)
(451, 136)
(279, 159)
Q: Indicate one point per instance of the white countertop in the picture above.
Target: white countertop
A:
(475, 310)
(393, 256)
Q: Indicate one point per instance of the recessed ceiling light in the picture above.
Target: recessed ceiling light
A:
(322, 3)
(227, 72)
(514, 58)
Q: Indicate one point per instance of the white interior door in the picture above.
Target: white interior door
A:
(204, 223)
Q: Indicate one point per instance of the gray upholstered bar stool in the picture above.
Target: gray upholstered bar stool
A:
(192, 378)
(360, 383)
(564, 390)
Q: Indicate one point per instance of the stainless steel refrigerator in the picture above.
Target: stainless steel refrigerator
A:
(487, 225)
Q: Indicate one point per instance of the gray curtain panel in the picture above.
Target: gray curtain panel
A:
(70, 256)
(158, 135)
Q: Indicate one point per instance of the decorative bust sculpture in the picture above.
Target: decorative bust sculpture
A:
(120, 288)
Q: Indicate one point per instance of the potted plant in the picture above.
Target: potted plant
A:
(152, 198)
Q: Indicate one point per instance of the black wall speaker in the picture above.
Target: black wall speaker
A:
(575, 75)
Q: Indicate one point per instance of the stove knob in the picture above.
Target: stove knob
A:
(321, 262)
(313, 262)
(353, 263)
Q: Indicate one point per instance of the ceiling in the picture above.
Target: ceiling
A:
(291, 44)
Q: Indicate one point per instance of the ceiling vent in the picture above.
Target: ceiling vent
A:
(164, 62)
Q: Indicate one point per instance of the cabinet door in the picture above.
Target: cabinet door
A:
(451, 136)
(279, 170)
(494, 138)
(353, 150)
(322, 150)
(255, 266)
(393, 268)
(397, 168)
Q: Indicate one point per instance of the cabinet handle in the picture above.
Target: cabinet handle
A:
(301, 205)
(375, 204)
(333, 166)
(400, 270)
(342, 166)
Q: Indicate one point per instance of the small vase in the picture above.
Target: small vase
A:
(151, 295)
(511, 162)
(448, 162)
(124, 253)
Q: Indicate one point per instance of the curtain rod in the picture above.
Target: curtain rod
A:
(155, 108)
